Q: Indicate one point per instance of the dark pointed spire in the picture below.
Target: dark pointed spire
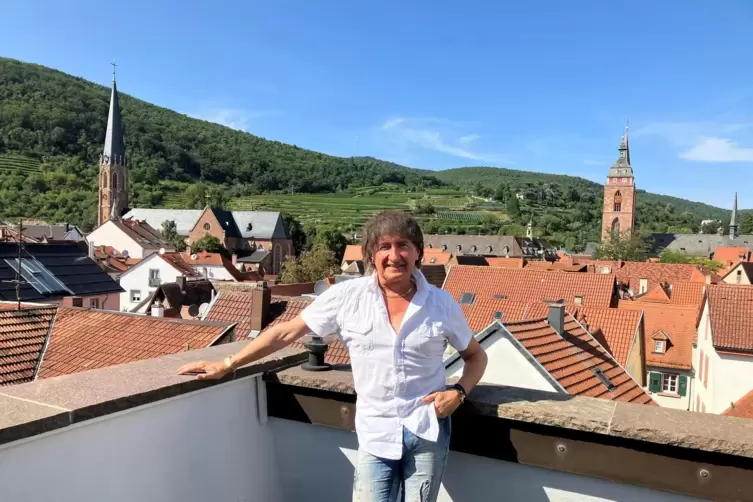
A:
(114, 150)
(621, 167)
(733, 220)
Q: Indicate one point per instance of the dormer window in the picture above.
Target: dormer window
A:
(473, 249)
(488, 249)
(458, 248)
(579, 300)
(659, 346)
(467, 298)
(444, 247)
(643, 286)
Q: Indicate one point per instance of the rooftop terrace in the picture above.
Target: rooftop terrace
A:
(274, 432)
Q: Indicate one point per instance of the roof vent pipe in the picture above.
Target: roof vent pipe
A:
(317, 347)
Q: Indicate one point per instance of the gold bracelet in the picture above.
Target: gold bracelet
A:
(228, 362)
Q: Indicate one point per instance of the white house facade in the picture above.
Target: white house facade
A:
(141, 280)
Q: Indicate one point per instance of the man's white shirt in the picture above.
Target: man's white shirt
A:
(391, 371)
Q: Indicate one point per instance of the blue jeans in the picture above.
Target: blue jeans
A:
(417, 476)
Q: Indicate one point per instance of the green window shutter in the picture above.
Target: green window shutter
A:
(654, 381)
(683, 390)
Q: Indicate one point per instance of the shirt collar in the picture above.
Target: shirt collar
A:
(422, 286)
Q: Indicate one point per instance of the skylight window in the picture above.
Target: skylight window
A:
(467, 298)
(36, 275)
(603, 379)
(498, 315)
(500, 297)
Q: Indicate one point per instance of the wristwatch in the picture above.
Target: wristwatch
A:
(461, 391)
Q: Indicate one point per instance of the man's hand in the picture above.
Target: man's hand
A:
(445, 402)
(205, 370)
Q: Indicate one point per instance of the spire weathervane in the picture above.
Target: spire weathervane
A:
(113, 69)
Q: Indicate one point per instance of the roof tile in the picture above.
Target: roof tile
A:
(22, 336)
(730, 310)
(743, 408)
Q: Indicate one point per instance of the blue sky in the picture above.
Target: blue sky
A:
(540, 85)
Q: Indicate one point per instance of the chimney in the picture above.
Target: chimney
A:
(91, 249)
(557, 318)
(181, 282)
(260, 298)
(157, 309)
(708, 279)
(67, 227)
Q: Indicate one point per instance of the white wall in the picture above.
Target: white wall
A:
(202, 446)
(704, 345)
(507, 366)
(677, 402)
(214, 272)
(108, 234)
(317, 464)
(137, 277)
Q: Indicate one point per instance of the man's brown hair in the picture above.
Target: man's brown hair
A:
(390, 223)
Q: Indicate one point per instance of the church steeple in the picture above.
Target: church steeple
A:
(113, 170)
(733, 220)
(621, 167)
(618, 216)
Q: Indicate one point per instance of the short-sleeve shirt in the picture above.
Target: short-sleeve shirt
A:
(392, 371)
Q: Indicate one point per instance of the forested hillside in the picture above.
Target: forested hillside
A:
(52, 127)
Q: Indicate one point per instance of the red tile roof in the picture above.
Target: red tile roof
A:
(143, 233)
(353, 253)
(678, 322)
(631, 274)
(235, 306)
(524, 285)
(84, 339)
(743, 408)
(691, 294)
(545, 265)
(731, 256)
(730, 311)
(571, 359)
(22, 337)
(217, 260)
(495, 261)
(177, 260)
(656, 294)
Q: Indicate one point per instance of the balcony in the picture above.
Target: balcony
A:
(154, 282)
(275, 433)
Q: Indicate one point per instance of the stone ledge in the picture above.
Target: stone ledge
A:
(653, 424)
(44, 405)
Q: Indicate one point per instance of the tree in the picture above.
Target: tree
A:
(710, 227)
(296, 232)
(311, 266)
(478, 188)
(513, 207)
(332, 239)
(669, 256)
(502, 192)
(210, 244)
(625, 248)
(746, 223)
(170, 235)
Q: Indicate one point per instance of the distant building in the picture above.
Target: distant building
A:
(740, 273)
(39, 233)
(493, 245)
(132, 238)
(619, 196)
(113, 169)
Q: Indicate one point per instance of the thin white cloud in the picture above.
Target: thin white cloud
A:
(713, 149)
(431, 133)
(234, 118)
(468, 138)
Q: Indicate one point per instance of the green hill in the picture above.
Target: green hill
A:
(52, 126)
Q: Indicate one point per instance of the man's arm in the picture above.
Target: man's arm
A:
(269, 342)
(474, 359)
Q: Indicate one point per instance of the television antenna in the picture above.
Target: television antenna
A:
(18, 280)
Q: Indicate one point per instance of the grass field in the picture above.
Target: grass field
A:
(19, 164)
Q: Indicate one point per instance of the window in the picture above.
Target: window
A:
(115, 181)
(154, 277)
(579, 300)
(135, 296)
(739, 276)
(659, 346)
(616, 228)
(500, 297)
(498, 315)
(669, 383)
(207, 227)
(94, 303)
(467, 298)
(458, 248)
(617, 201)
(488, 249)
(473, 249)
(35, 274)
(643, 286)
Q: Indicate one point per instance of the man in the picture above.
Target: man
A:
(396, 327)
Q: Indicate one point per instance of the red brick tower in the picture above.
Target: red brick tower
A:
(619, 196)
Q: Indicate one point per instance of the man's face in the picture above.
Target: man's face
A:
(395, 258)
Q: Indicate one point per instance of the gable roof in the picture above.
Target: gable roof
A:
(690, 294)
(23, 334)
(84, 339)
(548, 265)
(40, 233)
(745, 267)
(524, 285)
(572, 359)
(656, 294)
(732, 255)
(496, 261)
(179, 262)
(69, 263)
(698, 244)
(353, 252)
(631, 273)
(743, 408)
(227, 222)
(730, 308)
(217, 260)
(175, 297)
(264, 224)
(434, 256)
(680, 325)
(140, 231)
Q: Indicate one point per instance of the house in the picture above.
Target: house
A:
(620, 332)
(470, 285)
(142, 280)
(111, 260)
(555, 353)
(670, 331)
(40, 233)
(85, 339)
(493, 245)
(181, 299)
(243, 232)
(23, 334)
(739, 273)
(640, 277)
(256, 310)
(723, 355)
(689, 294)
(731, 256)
(132, 238)
(215, 267)
(60, 273)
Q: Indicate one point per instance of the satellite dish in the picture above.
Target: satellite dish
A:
(124, 253)
(194, 257)
(193, 310)
(203, 308)
(114, 252)
(161, 250)
(320, 287)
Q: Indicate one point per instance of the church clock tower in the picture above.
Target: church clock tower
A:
(619, 196)
(113, 172)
